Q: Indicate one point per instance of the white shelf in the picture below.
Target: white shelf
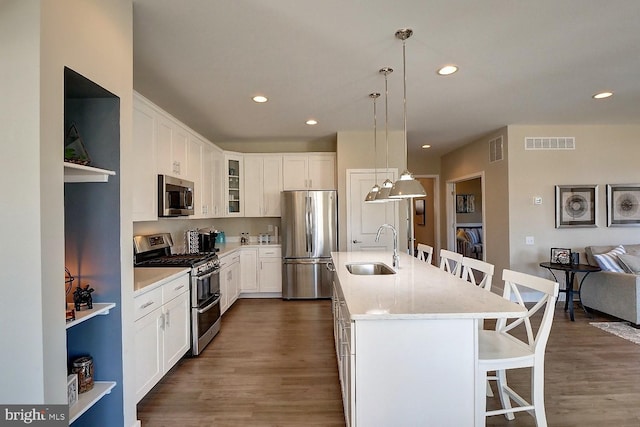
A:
(99, 309)
(79, 173)
(88, 399)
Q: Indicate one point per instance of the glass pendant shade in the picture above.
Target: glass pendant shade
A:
(407, 186)
(371, 196)
(383, 194)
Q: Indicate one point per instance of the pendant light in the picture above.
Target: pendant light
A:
(371, 197)
(383, 194)
(406, 186)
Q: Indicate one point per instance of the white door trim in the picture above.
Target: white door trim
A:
(436, 208)
(450, 211)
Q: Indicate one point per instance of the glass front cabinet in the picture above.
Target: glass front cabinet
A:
(234, 185)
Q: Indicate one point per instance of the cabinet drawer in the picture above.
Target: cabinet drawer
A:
(147, 302)
(271, 252)
(174, 288)
(227, 260)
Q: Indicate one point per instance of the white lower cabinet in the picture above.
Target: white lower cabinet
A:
(248, 270)
(404, 372)
(261, 271)
(251, 272)
(229, 280)
(162, 332)
(345, 352)
(270, 269)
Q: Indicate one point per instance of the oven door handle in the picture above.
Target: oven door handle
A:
(206, 276)
(207, 308)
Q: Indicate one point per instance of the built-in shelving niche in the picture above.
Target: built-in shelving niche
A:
(92, 240)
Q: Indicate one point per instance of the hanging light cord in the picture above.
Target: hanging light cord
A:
(375, 138)
(404, 101)
(386, 120)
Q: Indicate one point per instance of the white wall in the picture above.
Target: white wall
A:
(473, 160)
(603, 155)
(355, 150)
(94, 38)
(22, 354)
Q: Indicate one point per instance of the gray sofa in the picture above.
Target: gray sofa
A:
(616, 294)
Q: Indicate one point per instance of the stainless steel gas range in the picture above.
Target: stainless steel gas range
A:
(155, 251)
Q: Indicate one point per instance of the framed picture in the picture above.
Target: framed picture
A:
(623, 205)
(420, 214)
(465, 203)
(576, 205)
(560, 256)
(72, 389)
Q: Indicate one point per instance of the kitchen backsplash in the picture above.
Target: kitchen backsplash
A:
(232, 227)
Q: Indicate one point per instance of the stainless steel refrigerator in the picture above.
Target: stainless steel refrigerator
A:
(309, 233)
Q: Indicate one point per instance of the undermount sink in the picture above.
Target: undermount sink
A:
(369, 269)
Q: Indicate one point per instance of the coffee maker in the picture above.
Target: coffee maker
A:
(207, 240)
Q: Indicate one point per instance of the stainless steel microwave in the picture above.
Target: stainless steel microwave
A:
(175, 196)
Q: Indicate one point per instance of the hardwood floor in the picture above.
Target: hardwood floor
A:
(273, 364)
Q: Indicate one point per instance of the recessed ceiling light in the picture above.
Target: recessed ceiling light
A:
(602, 95)
(260, 99)
(447, 70)
(312, 122)
(426, 146)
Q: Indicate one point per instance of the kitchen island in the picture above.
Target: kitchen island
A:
(407, 343)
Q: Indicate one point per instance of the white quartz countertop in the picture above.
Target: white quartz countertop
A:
(228, 247)
(417, 291)
(146, 279)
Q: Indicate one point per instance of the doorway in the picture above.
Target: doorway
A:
(465, 215)
(426, 219)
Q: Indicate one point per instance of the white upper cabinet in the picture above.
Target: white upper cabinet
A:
(226, 184)
(313, 171)
(218, 183)
(272, 184)
(262, 184)
(207, 181)
(195, 159)
(145, 182)
(234, 184)
(163, 145)
(172, 147)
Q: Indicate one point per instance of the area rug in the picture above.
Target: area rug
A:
(621, 329)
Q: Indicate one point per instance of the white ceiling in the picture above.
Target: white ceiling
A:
(521, 62)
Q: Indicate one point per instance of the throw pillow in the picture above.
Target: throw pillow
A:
(472, 236)
(609, 260)
(630, 263)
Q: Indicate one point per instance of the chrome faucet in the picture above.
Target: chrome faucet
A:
(396, 258)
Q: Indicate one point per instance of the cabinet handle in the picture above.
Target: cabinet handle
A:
(167, 319)
(178, 287)
(162, 321)
(146, 304)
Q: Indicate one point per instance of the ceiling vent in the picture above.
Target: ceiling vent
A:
(495, 149)
(550, 143)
